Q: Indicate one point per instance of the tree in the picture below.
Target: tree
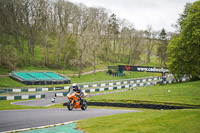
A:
(96, 21)
(135, 49)
(150, 36)
(83, 56)
(162, 47)
(83, 40)
(114, 29)
(184, 49)
(63, 12)
(184, 15)
(69, 51)
(9, 58)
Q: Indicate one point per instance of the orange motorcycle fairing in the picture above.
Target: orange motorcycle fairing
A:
(75, 101)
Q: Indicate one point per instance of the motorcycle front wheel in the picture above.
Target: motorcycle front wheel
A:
(70, 106)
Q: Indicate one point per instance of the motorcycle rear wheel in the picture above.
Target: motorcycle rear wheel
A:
(84, 105)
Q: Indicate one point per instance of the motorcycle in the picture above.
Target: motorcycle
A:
(76, 101)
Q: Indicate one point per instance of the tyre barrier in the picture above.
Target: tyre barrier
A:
(130, 105)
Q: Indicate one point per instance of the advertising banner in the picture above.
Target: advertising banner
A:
(143, 69)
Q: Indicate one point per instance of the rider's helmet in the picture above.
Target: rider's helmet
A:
(75, 87)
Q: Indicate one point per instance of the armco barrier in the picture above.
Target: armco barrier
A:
(114, 87)
(35, 89)
(21, 97)
(130, 105)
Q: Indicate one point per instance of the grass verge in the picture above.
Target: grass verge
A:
(147, 121)
(183, 94)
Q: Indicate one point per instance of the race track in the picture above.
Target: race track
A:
(20, 119)
(29, 118)
(43, 102)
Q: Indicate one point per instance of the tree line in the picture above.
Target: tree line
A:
(72, 36)
(184, 47)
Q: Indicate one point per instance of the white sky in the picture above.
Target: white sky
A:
(157, 13)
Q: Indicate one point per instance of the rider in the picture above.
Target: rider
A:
(77, 89)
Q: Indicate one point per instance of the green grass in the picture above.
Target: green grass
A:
(154, 62)
(150, 121)
(102, 76)
(42, 69)
(6, 105)
(180, 94)
(3, 71)
(9, 82)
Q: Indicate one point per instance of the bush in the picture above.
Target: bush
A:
(9, 58)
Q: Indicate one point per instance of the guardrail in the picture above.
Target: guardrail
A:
(133, 85)
(22, 97)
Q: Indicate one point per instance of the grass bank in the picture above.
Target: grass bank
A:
(183, 94)
(151, 121)
(102, 76)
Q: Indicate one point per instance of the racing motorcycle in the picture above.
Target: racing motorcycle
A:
(76, 101)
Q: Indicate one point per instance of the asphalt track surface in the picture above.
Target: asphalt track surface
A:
(50, 95)
(29, 118)
(43, 102)
(20, 119)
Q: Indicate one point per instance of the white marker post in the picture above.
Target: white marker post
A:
(169, 91)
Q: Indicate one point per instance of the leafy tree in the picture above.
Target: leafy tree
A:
(184, 49)
(184, 15)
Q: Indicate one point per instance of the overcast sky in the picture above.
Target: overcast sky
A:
(157, 13)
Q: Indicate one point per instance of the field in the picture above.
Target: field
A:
(151, 121)
(167, 121)
(180, 94)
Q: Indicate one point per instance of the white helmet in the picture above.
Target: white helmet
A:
(74, 85)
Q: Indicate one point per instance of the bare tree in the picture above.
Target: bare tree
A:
(97, 22)
(150, 36)
(83, 41)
